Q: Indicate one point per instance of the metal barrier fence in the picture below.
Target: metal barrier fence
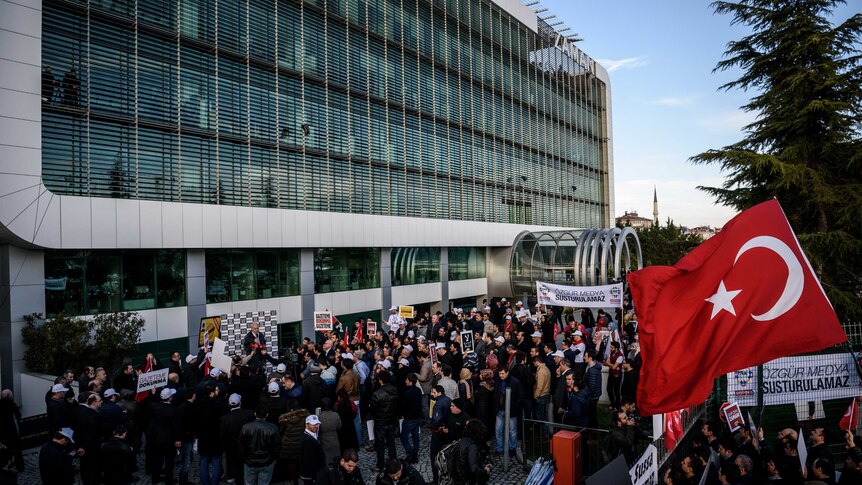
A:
(537, 442)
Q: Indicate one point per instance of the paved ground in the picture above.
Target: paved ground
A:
(515, 474)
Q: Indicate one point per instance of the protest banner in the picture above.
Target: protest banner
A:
(152, 380)
(796, 379)
(219, 358)
(322, 321)
(371, 328)
(733, 416)
(467, 343)
(405, 311)
(645, 470)
(607, 296)
(211, 328)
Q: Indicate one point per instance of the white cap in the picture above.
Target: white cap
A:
(391, 309)
(411, 334)
(536, 335)
(347, 355)
(67, 432)
(440, 345)
(519, 303)
(312, 419)
(474, 309)
(111, 392)
(190, 358)
(558, 353)
(273, 388)
(215, 372)
(421, 337)
(404, 362)
(167, 393)
(385, 363)
(281, 368)
(487, 308)
(409, 347)
(522, 314)
(234, 400)
(579, 333)
(508, 317)
(503, 300)
(499, 339)
(59, 388)
(454, 333)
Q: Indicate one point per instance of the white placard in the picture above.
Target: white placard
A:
(219, 358)
(645, 470)
(153, 380)
(322, 321)
(607, 296)
(796, 379)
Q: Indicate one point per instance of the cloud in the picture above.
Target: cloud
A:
(728, 121)
(627, 63)
(676, 101)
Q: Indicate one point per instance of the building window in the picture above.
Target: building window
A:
(247, 274)
(466, 263)
(415, 266)
(344, 269)
(90, 282)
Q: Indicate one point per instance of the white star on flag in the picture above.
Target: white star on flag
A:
(722, 300)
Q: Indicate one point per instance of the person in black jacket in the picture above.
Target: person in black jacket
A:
(313, 390)
(343, 472)
(472, 467)
(311, 456)
(504, 382)
(398, 472)
(119, 462)
(88, 429)
(55, 460)
(259, 442)
(384, 412)
(208, 412)
(229, 430)
(112, 414)
(163, 436)
(58, 408)
(411, 409)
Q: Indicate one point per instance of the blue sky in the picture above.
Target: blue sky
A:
(666, 102)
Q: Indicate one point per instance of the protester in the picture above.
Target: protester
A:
(258, 446)
(312, 459)
(345, 471)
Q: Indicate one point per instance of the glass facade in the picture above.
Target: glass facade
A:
(415, 266)
(446, 109)
(248, 274)
(466, 263)
(343, 269)
(90, 282)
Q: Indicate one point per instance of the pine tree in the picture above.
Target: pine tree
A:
(805, 147)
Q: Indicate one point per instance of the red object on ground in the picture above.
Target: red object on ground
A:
(744, 297)
(566, 448)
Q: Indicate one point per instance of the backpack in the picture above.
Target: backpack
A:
(446, 461)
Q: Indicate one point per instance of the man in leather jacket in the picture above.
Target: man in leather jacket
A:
(259, 442)
(384, 411)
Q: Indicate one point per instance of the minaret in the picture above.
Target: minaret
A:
(655, 205)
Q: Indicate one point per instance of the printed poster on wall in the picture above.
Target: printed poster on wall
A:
(607, 296)
(322, 321)
(797, 379)
(211, 327)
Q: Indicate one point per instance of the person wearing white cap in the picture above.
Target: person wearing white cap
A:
(162, 437)
(230, 427)
(55, 462)
(394, 319)
(112, 413)
(57, 408)
(311, 456)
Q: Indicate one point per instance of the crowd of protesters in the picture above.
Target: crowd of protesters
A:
(302, 417)
(746, 457)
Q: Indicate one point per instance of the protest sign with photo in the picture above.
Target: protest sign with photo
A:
(211, 328)
(467, 343)
(733, 416)
(371, 328)
(152, 380)
(322, 321)
(405, 311)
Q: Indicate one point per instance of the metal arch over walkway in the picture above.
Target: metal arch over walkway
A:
(580, 257)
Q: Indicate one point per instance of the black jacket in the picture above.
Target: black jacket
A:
(112, 415)
(259, 442)
(119, 462)
(208, 413)
(88, 429)
(517, 403)
(411, 404)
(313, 391)
(334, 474)
(231, 426)
(409, 476)
(58, 415)
(55, 465)
(311, 457)
(164, 425)
(470, 464)
(384, 405)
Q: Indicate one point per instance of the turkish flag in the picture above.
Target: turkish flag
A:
(672, 429)
(848, 421)
(357, 334)
(148, 367)
(744, 297)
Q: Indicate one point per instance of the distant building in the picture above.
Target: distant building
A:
(705, 232)
(633, 219)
